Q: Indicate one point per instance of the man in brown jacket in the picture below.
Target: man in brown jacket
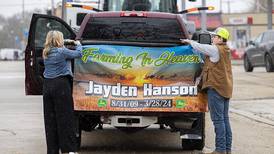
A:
(218, 83)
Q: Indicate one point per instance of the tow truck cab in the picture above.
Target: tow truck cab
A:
(75, 11)
(143, 29)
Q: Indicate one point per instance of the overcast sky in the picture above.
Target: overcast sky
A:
(10, 7)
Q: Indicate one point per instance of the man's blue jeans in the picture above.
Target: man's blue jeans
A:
(218, 107)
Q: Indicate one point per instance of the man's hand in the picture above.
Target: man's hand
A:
(185, 41)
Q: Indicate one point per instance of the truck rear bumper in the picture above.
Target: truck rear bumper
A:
(182, 121)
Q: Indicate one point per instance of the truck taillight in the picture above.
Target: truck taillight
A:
(133, 14)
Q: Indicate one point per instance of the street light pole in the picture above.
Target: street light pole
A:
(269, 14)
(203, 16)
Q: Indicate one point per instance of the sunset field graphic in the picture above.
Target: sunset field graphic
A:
(171, 73)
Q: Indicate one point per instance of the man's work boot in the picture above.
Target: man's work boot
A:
(228, 152)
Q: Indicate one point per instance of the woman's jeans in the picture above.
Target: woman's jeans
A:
(218, 107)
(59, 116)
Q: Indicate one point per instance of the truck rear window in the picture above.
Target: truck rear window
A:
(133, 29)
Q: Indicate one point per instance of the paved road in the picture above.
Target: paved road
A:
(254, 93)
(252, 85)
(22, 130)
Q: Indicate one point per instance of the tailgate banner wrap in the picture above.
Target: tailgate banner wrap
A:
(138, 79)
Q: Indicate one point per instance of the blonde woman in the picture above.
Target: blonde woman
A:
(57, 97)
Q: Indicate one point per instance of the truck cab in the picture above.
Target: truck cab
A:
(128, 34)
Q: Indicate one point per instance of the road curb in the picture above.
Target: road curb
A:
(250, 115)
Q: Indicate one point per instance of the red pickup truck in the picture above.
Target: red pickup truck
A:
(149, 60)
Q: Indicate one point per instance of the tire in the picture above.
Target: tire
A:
(247, 64)
(195, 144)
(78, 132)
(269, 66)
(84, 124)
(79, 139)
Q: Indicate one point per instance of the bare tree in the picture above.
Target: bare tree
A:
(258, 6)
(12, 30)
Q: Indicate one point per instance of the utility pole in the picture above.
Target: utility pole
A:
(221, 6)
(228, 3)
(64, 10)
(183, 8)
(203, 16)
(52, 8)
(269, 14)
(257, 6)
(23, 9)
(228, 6)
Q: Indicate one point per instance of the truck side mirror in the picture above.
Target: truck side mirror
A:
(204, 38)
(195, 36)
(251, 43)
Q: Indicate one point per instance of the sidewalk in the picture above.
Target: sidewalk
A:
(258, 110)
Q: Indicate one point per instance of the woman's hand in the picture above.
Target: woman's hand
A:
(77, 43)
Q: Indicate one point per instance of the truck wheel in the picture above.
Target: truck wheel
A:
(269, 66)
(196, 144)
(247, 64)
(193, 144)
(78, 138)
(78, 132)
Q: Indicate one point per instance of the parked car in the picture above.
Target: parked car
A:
(11, 54)
(260, 52)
